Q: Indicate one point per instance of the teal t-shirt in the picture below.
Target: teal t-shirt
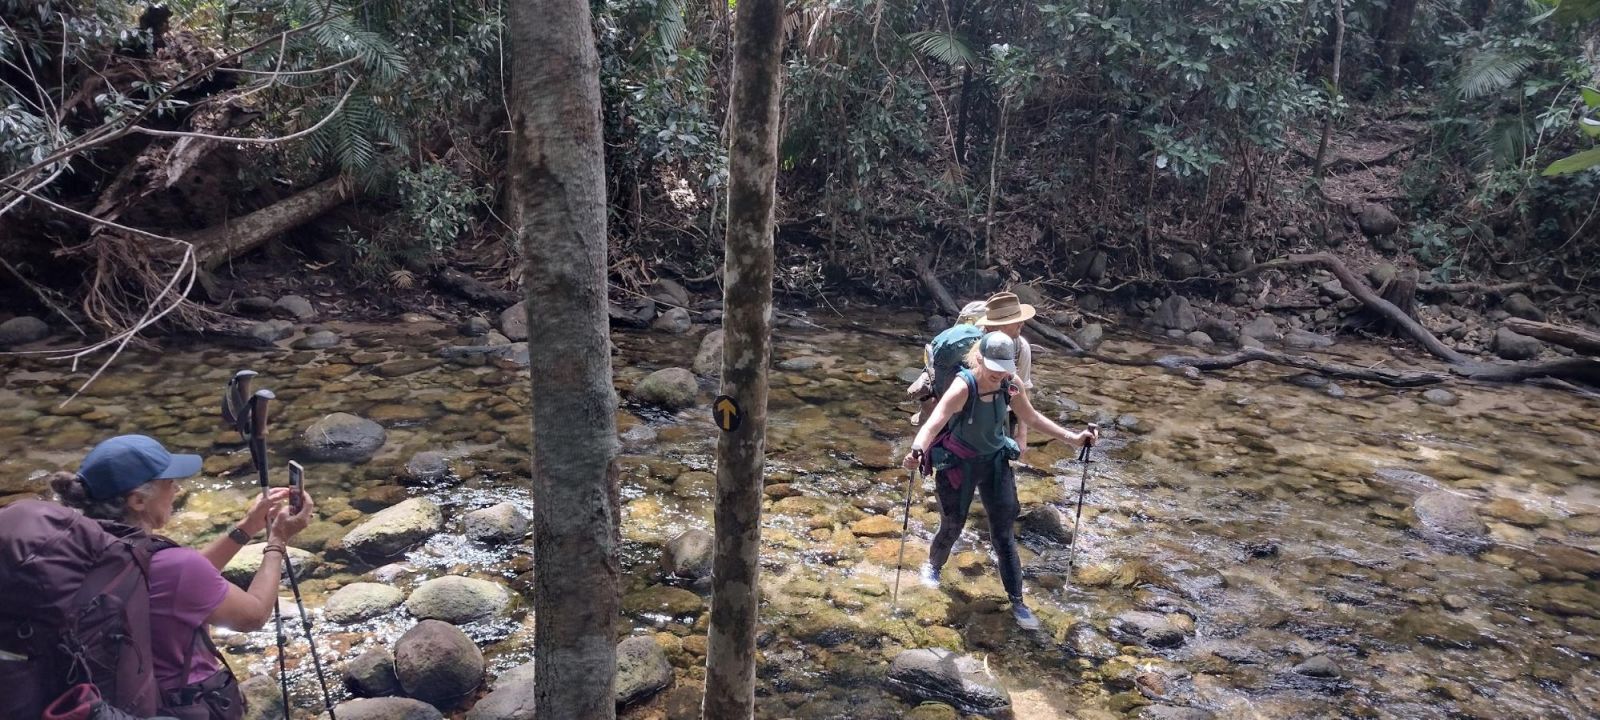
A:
(985, 429)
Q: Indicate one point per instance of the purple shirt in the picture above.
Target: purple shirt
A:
(184, 589)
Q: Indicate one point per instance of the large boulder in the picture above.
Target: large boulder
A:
(669, 292)
(708, 361)
(360, 601)
(959, 680)
(428, 466)
(456, 599)
(642, 669)
(22, 330)
(669, 388)
(1176, 314)
(1377, 221)
(689, 554)
(1182, 265)
(1084, 641)
(242, 568)
(262, 698)
(394, 530)
(1444, 515)
(268, 332)
(1514, 346)
(502, 523)
(342, 437)
(514, 322)
(371, 674)
(1090, 336)
(1045, 522)
(1263, 328)
(387, 708)
(437, 663)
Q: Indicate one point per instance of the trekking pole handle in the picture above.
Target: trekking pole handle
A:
(1088, 442)
(258, 412)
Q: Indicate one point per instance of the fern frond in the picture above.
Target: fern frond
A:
(944, 47)
(1490, 71)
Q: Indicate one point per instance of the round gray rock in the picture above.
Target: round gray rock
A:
(319, 340)
(500, 523)
(1449, 515)
(708, 361)
(509, 701)
(1084, 641)
(458, 600)
(1046, 522)
(670, 388)
(22, 330)
(371, 674)
(675, 321)
(1512, 346)
(949, 677)
(342, 437)
(1440, 396)
(514, 322)
(268, 332)
(689, 554)
(1090, 337)
(1148, 628)
(642, 670)
(437, 663)
(388, 708)
(360, 601)
(428, 466)
(395, 529)
(296, 307)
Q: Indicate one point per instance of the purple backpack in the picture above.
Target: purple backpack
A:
(76, 610)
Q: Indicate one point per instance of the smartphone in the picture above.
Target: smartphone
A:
(297, 483)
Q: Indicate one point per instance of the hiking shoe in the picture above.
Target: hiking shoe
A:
(929, 575)
(1025, 617)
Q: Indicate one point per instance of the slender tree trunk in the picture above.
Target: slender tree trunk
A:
(557, 170)
(1333, 97)
(746, 349)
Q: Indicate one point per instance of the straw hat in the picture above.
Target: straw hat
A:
(1004, 309)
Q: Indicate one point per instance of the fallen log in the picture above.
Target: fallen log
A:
(220, 243)
(1392, 378)
(1585, 370)
(1577, 339)
(1363, 292)
(474, 290)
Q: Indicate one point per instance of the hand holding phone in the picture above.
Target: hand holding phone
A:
(297, 481)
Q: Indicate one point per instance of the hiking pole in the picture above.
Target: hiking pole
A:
(258, 451)
(252, 423)
(1083, 484)
(905, 528)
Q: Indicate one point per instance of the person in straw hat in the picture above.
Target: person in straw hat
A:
(1004, 312)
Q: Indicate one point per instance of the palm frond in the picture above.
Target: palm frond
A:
(944, 47)
(1488, 72)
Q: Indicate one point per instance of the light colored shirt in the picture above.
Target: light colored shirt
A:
(1024, 363)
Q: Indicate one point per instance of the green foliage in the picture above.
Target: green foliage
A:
(440, 205)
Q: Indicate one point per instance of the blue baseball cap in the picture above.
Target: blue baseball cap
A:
(125, 462)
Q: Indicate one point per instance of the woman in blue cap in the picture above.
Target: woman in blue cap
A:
(133, 480)
(973, 454)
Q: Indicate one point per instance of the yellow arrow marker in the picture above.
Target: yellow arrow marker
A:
(725, 411)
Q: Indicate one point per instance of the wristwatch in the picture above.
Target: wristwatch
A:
(239, 536)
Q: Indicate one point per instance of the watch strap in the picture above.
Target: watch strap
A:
(239, 536)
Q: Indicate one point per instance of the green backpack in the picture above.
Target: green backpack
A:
(948, 353)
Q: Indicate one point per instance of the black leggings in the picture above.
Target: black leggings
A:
(999, 501)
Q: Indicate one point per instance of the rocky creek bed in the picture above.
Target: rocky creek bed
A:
(1255, 544)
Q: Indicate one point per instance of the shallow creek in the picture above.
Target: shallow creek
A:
(1267, 522)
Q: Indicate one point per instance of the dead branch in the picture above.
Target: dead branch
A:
(215, 245)
(1392, 378)
(1578, 339)
(1586, 370)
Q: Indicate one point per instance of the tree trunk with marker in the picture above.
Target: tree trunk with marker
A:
(746, 349)
(558, 176)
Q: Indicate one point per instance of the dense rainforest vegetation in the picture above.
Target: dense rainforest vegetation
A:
(1124, 146)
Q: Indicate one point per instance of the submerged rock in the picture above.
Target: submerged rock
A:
(642, 670)
(1441, 397)
(394, 530)
(1448, 516)
(1046, 522)
(1320, 666)
(1148, 628)
(356, 602)
(457, 600)
(428, 466)
(954, 678)
(388, 708)
(1084, 641)
(1173, 712)
(342, 437)
(371, 674)
(437, 663)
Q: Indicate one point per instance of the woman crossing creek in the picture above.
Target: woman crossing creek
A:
(967, 445)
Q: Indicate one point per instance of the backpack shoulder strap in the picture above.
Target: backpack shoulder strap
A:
(972, 394)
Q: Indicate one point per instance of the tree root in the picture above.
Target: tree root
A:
(1392, 378)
